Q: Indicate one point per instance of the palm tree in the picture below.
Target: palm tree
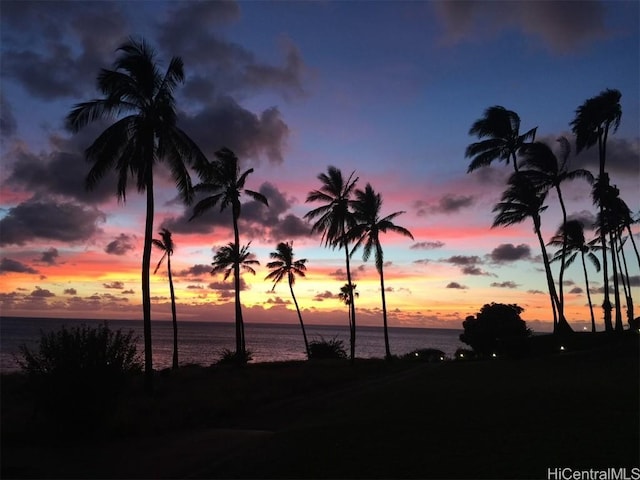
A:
(136, 142)
(229, 259)
(284, 265)
(223, 180)
(334, 218)
(366, 232)
(346, 296)
(166, 245)
(594, 119)
(570, 236)
(501, 128)
(546, 172)
(521, 200)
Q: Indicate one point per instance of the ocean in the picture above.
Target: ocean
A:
(203, 342)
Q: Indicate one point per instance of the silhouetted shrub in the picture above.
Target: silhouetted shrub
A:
(327, 349)
(76, 374)
(231, 357)
(496, 329)
(430, 355)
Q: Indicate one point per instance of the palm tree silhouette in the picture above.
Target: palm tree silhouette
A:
(284, 265)
(570, 237)
(334, 218)
(346, 296)
(501, 128)
(166, 245)
(366, 232)
(594, 119)
(546, 172)
(520, 200)
(230, 259)
(136, 142)
(223, 180)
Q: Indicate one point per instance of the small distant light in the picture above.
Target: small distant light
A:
(584, 328)
(462, 355)
(562, 348)
(417, 354)
(441, 358)
(494, 355)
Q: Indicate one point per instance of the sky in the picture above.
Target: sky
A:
(387, 90)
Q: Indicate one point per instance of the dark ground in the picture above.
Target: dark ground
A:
(484, 419)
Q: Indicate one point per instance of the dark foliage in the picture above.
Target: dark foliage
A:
(430, 355)
(327, 349)
(230, 357)
(77, 374)
(496, 329)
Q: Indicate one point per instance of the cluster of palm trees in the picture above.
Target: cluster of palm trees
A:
(139, 98)
(537, 170)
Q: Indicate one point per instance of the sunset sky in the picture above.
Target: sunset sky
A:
(388, 89)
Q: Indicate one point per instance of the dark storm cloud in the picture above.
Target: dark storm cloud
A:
(251, 136)
(507, 252)
(8, 265)
(456, 285)
(42, 293)
(507, 284)
(49, 256)
(427, 245)
(448, 203)
(462, 260)
(120, 245)
(76, 39)
(62, 171)
(48, 219)
(623, 157)
(8, 124)
(563, 26)
(221, 66)
(195, 271)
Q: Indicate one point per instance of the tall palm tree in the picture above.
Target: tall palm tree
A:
(225, 184)
(546, 171)
(501, 129)
(147, 134)
(570, 237)
(230, 259)
(284, 265)
(520, 200)
(366, 232)
(165, 244)
(594, 119)
(334, 218)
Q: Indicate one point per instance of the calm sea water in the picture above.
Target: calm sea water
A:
(203, 342)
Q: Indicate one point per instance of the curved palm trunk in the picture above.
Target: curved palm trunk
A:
(240, 343)
(586, 281)
(616, 283)
(352, 308)
(561, 327)
(630, 309)
(564, 253)
(173, 315)
(304, 333)
(633, 242)
(146, 291)
(387, 350)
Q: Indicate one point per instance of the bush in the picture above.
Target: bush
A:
(231, 357)
(430, 355)
(327, 349)
(76, 374)
(496, 329)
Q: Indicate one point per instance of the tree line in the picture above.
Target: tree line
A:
(139, 98)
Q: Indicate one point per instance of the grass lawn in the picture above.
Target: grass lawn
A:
(483, 419)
